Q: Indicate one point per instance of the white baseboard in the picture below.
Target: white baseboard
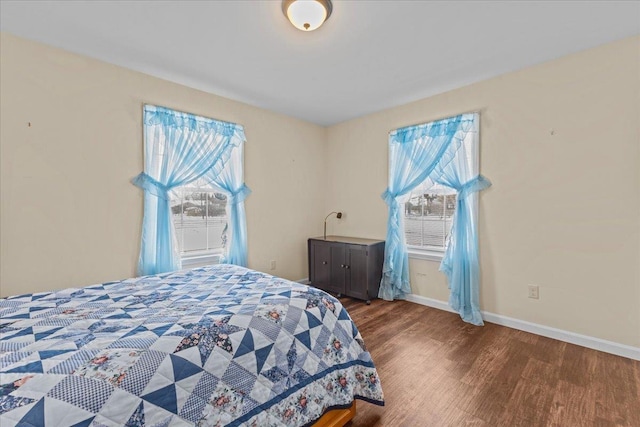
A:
(546, 331)
(430, 302)
(304, 281)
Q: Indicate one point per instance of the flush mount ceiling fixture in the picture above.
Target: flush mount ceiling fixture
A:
(307, 15)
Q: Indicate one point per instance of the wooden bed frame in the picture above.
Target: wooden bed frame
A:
(337, 417)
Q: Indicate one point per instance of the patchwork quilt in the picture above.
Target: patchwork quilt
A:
(213, 346)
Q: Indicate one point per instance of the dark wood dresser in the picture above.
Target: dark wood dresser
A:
(348, 266)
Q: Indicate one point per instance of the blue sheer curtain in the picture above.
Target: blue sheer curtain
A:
(179, 148)
(460, 263)
(435, 151)
(231, 182)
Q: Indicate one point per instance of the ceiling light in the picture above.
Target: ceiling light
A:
(307, 15)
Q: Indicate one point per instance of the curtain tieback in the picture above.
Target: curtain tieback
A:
(389, 198)
(473, 186)
(239, 195)
(147, 183)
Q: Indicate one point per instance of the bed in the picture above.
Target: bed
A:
(214, 346)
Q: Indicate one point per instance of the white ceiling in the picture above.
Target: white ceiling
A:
(370, 55)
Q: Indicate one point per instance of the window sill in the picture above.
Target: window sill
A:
(426, 254)
(201, 259)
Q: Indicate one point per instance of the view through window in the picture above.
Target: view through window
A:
(199, 216)
(428, 216)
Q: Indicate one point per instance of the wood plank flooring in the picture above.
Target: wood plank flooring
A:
(439, 371)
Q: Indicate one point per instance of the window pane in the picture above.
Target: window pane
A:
(199, 217)
(428, 216)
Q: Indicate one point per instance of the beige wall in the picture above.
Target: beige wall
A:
(563, 212)
(564, 209)
(70, 217)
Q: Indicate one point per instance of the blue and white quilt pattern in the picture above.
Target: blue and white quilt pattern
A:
(213, 346)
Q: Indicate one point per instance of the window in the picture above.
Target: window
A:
(428, 213)
(200, 221)
(180, 149)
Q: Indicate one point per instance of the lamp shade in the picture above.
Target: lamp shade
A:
(307, 15)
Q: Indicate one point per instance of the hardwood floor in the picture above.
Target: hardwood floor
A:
(438, 371)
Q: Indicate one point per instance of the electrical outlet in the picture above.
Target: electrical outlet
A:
(534, 292)
(273, 265)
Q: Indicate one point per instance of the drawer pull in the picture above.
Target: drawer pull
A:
(341, 265)
(346, 266)
(324, 262)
